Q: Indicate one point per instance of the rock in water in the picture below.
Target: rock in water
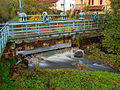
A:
(78, 54)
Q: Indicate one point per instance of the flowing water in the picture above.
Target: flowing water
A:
(60, 59)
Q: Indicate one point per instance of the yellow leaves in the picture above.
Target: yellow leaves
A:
(81, 67)
(73, 63)
(35, 18)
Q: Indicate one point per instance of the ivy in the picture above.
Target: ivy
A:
(111, 33)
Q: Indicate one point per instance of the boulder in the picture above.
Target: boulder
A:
(78, 54)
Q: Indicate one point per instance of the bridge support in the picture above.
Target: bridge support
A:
(10, 50)
(13, 47)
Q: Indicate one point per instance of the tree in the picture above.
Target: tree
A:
(9, 8)
(111, 33)
(4, 5)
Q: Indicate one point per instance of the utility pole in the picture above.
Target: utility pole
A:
(20, 6)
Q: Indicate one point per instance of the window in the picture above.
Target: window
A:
(100, 2)
(62, 5)
(91, 2)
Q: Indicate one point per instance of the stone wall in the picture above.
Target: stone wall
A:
(13, 47)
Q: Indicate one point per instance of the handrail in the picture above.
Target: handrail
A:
(3, 39)
(40, 29)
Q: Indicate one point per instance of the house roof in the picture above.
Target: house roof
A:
(97, 7)
(54, 1)
(51, 1)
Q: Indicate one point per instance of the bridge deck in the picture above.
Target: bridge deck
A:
(31, 30)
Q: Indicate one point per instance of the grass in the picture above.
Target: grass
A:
(59, 79)
(67, 80)
(5, 81)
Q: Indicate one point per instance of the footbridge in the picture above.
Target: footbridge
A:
(49, 26)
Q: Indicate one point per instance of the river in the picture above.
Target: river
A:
(64, 58)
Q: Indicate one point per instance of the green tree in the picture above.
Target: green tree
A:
(111, 33)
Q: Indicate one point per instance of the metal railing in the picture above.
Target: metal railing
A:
(2, 25)
(40, 29)
(3, 39)
(53, 28)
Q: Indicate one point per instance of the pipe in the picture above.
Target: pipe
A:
(20, 6)
(64, 6)
(81, 5)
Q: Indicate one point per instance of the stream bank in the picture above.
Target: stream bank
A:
(93, 52)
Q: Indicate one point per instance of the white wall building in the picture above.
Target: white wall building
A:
(68, 4)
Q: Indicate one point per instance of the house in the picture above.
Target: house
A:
(59, 4)
(90, 5)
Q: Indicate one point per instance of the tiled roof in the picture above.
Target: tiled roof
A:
(54, 1)
(97, 7)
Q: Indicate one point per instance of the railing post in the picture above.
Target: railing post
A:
(91, 24)
(84, 25)
(68, 27)
(38, 29)
(0, 47)
(2, 39)
(49, 28)
(12, 32)
(7, 29)
(26, 30)
(59, 27)
(4, 36)
(88, 24)
(73, 25)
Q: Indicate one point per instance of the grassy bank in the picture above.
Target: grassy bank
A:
(94, 53)
(66, 79)
(5, 82)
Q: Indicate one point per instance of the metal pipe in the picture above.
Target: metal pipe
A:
(106, 5)
(64, 6)
(81, 5)
(20, 6)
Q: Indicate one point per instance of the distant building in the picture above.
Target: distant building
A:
(95, 4)
(59, 4)
(92, 5)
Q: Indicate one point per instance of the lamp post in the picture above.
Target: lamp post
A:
(20, 6)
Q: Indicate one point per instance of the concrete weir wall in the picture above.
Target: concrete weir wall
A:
(13, 47)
